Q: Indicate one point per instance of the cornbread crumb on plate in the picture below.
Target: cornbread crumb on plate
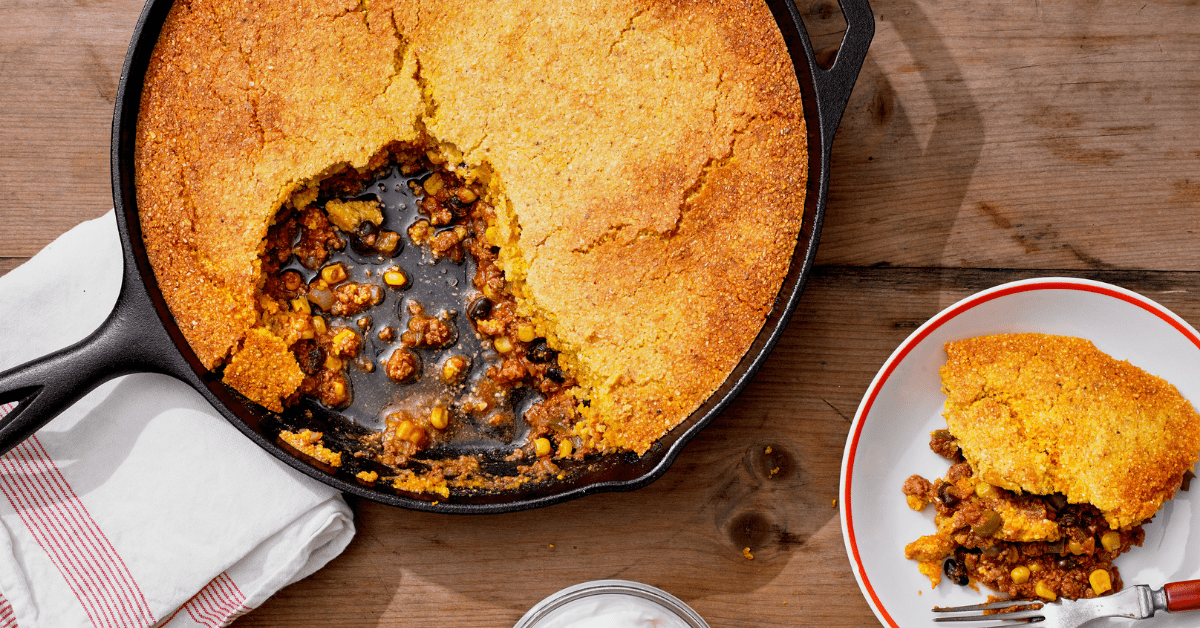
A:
(1061, 452)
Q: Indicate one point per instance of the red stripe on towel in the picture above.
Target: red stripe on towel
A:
(218, 603)
(74, 543)
(8, 619)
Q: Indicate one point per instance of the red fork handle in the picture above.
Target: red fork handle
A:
(1183, 596)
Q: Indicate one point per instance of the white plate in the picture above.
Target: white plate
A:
(889, 439)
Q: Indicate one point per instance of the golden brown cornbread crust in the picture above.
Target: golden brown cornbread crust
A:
(1046, 414)
(649, 160)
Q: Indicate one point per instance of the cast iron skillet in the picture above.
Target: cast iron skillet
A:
(141, 335)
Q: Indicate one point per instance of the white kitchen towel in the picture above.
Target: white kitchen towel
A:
(139, 505)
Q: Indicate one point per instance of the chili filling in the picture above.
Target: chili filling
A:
(1027, 546)
(334, 292)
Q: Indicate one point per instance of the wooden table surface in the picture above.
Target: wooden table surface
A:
(984, 142)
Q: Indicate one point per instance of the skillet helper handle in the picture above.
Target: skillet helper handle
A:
(131, 340)
(835, 84)
(1183, 596)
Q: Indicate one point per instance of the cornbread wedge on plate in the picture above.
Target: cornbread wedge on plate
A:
(1061, 453)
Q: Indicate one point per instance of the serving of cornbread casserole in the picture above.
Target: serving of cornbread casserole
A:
(1060, 454)
(625, 182)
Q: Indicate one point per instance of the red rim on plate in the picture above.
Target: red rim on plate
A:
(915, 339)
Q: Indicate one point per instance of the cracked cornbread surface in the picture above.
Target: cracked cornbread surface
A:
(647, 162)
(1048, 414)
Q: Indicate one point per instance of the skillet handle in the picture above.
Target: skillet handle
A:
(131, 340)
(835, 84)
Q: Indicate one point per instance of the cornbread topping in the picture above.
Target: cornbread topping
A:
(626, 180)
(1060, 454)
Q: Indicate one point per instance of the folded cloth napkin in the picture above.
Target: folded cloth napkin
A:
(140, 505)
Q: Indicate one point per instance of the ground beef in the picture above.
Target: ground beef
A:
(402, 365)
(352, 298)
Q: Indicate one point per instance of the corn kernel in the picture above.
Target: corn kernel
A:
(492, 235)
(318, 324)
(1044, 591)
(466, 195)
(565, 449)
(395, 278)
(1111, 540)
(434, 157)
(439, 417)
(333, 363)
(526, 333)
(411, 432)
(339, 390)
(542, 446)
(301, 305)
(1020, 574)
(453, 368)
(333, 274)
(1075, 547)
(433, 184)
(1035, 567)
(345, 342)
(985, 490)
(503, 344)
(1100, 580)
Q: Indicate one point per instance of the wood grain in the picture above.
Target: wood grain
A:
(59, 65)
(1026, 135)
(984, 142)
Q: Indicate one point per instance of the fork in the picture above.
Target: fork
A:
(1138, 602)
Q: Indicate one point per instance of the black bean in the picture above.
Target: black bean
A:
(946, 494)
(364, 236)
(1066, 563)
(555, 374)
(956, 572)
(457, 208)
(1056, 501)
(1068, 519)
(539, 351)
(480, 308)
(310, 356)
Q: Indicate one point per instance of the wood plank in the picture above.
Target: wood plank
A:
(1029, 135)
(59, 65)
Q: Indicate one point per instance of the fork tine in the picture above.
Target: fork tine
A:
(990, 606)
(1031, 615)
(1022, 622)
